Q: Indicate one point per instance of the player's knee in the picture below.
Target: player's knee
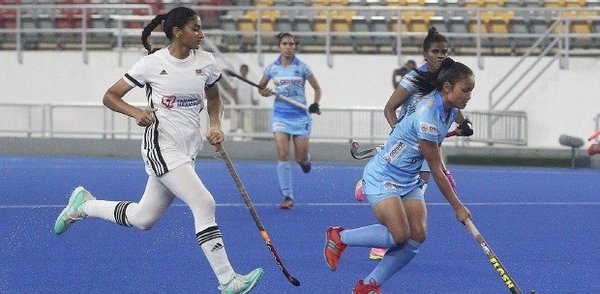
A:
(401, 236)
(145, 225)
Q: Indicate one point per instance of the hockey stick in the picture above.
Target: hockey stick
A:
(250, 206)
(282, 97)
(368, 153)
(500, 269)
(593, 136)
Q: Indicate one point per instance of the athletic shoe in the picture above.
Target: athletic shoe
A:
(594, 149)
(242, 284)
(358, 192)
(362, 288)
(73, 211)
(306, 166)
(334, 247)
(288, 203)
(377, 253)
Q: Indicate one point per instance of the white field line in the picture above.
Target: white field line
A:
(37, 206)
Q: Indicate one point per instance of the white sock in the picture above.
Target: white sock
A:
(211, 242)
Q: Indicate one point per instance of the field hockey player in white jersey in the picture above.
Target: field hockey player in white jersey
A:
(392, 184)
(290, 121)
(177, 79)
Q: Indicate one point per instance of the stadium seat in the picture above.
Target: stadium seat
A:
(303, 24)
(458, 24)
(439, 23)
(341, 23)
(284, 24)
(380, 24)
(518, 25)
(360, 24)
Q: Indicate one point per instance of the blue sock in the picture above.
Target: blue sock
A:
(370, 236)
(394, 260)
(284, 174)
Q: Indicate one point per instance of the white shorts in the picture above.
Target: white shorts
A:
(160, 161)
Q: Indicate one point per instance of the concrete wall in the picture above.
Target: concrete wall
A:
(561, 102)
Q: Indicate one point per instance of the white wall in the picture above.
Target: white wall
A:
(560, 102)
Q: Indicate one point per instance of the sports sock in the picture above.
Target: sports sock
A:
(211, 242)
(394, 260)
(284, 174)
(112, 211)
(369, 236)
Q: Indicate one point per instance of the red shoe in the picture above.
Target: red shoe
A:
(594, 149)
(362, 288)
(288, 203)
(334, 247)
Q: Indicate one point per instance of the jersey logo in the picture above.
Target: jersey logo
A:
(163, 73)
(396, 151)
(168, 101)
(198, 72)
(429, 129)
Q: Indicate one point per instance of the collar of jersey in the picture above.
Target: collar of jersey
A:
(176, 61)
(440, 105)
(295, 61)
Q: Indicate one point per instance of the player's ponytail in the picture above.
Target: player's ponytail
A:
(175, 18)
(157, 20)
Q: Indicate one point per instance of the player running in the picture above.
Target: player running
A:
(177, 79)
(392, 184)
(288, 121)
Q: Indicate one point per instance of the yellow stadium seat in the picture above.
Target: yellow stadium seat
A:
(473, 26)
(340, 24)
(419, 22)
(265, 2)
(394, 22)
(338, 2)
(247, 24)
(319, 2)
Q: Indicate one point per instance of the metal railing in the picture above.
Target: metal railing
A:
(260, 36)
(336, 124)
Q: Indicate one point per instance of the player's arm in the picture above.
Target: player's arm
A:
(263, 90)
(396, 100)
(113, 99)
(314, 107)
(432, 154)
(213, 104)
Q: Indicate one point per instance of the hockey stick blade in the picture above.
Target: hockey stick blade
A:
(254, 214)
(360, 155)
(494, 260)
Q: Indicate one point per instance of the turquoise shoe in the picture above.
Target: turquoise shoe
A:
(242, 284)
(72, 212)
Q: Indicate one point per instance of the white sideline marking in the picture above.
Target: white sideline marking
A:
(340, 204)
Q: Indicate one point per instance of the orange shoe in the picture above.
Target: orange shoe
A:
(288, 203)
(362, 288)
(594, 149)
(377, 253)
(334, 247)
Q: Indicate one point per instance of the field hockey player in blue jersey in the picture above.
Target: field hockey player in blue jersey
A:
(406, 96)
(392, 184)
(290, 122)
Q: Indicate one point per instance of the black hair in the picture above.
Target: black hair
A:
(282, 35)
(433, 36)
(449, 71)
(175, 18)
